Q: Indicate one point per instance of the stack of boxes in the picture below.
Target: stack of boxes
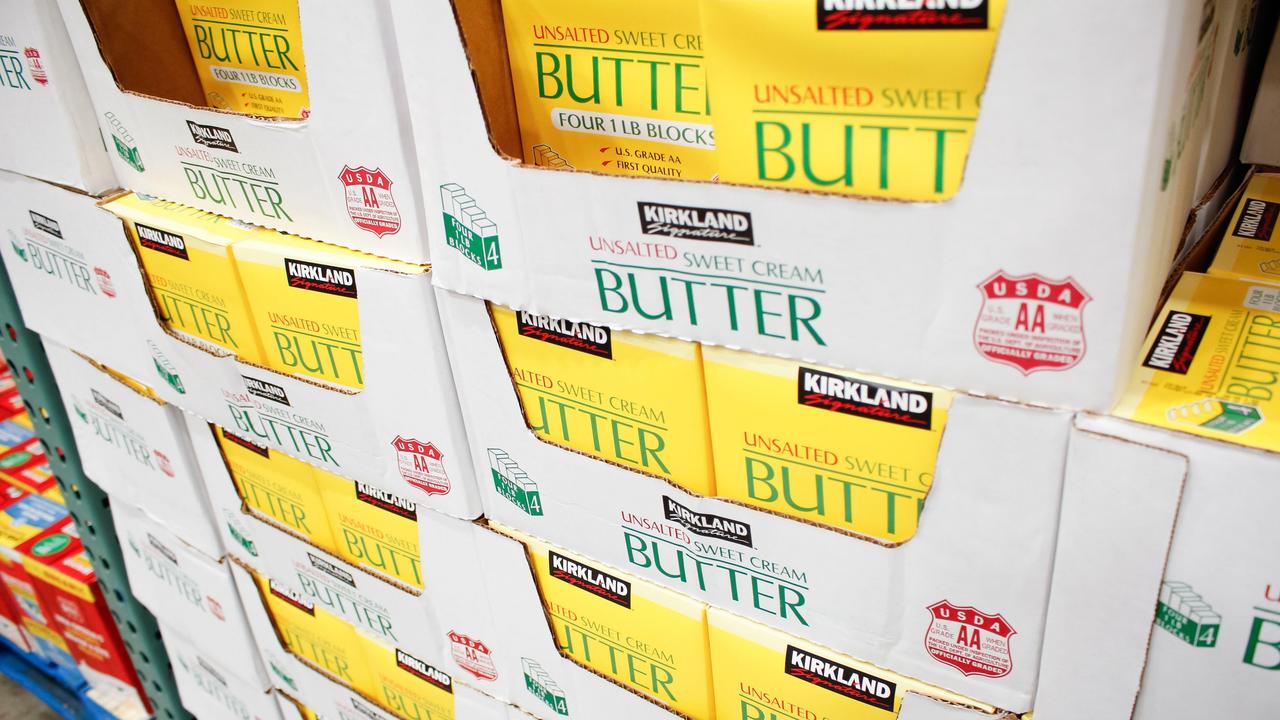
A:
(843, 430)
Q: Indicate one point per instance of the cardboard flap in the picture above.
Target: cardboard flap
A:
(919, 707)
(1262, 141)
(1120, 502)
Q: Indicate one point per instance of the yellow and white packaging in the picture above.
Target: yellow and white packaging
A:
(630, 399)
(851, 451)
(324, 640)
(761, 673)
(187, 258)
(372, 528)
(303, 298)
(278, 486)
(1250, 248)
(878, 101)
(611, 87)
(638, 634)
(248, 54)
(409, 687)
(1211, 363)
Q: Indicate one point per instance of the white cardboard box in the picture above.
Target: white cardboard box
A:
(1212, 591)
(185, 589)
(285, 174)
(44, 93)
(986, 536)
(1262, 138)
(210, 689)
(1078, 184)
(78, 282)
(135, 448)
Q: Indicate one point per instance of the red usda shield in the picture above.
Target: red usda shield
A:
(421, 465)
(969, 640)
(1031, 322)
(369, 200)
(473, 656)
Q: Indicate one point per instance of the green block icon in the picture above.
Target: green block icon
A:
(537, 682)
(130, 154)
(513, 484)
(468, 229)
(1217, 415)
(1186, 615)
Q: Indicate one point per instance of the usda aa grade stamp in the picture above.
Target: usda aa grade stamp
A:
(1030, 322)
(969, 640)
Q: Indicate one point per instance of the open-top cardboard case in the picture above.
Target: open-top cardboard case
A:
(980, 559)
(345, 174)
(41, 84)
(1034, 282)
(1190, 542)
(80, 285)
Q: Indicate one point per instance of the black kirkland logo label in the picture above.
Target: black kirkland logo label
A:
(1257, 219)
(161, 241)
(319, 277)
(840, 678)
(706, 524)
(265, 390)
(384, 500)
(161, 548)
(853, 396)
(596, 582)
(291, 598)
(583, 337)
(902, 14)
(106, 403)
(249, 445)
(45, 224)
(1176, 343)
(212, 136)
(331, 570)
(695, 223)
(416, 667)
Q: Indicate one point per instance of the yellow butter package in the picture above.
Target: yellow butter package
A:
(1211, 363)
(869, 99)
(639, 634)
(612, 87)
(303, 298)
(409, 687)
(186, 255)
(759, 672)
(248, 54)
(372, 528)
(856, 452)
(1250, 247)
(318, 637)
(635, 400)
(278, 486)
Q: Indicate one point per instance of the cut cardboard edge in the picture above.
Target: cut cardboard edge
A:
(1113, 628)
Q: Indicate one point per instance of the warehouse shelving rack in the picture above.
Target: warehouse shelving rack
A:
(88, 505)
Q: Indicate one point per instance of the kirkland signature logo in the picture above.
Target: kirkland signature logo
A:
(839, 678)
(45, 224)
(1176, 343)
(265, 390)
(706, 524)
(597, 582)
(212, 136)
(319, 277)
(423, 670)
(583, 337)
(695, 223)
(1257, 219)
(855, 396)
(902, 14)
(161, 241)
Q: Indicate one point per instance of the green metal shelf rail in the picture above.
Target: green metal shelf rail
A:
(89, 506)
